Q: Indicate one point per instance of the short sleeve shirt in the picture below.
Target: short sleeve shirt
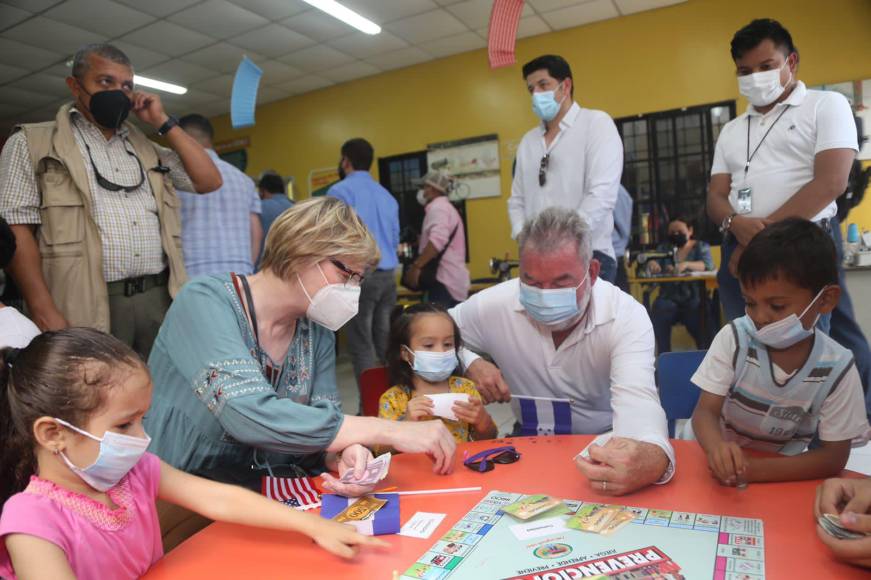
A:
(394, 405)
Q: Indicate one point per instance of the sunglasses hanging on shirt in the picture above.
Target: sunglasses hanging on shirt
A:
(111, 186)
(542, 170)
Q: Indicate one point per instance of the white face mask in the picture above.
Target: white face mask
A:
(118, 454)
(333, 305)
(787, 332)
(763, 88)
(421, 198)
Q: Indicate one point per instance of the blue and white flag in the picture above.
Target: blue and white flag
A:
(543, 415)
(383, 521)
(243, 100)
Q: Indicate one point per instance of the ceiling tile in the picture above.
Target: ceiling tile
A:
(172, 39)
(10, 15)
(633, 6)
(273, 40)
(221, 57)
(52, 35)
(532, 26)
(270, 94)
(427, 26)
(42, 83)
(348, 72)
(32, 5)
(476, 13)
(221, 86)
(581, 14)
(381, 11)
(318, 25)
(179, 72)
(275, 72)
(447, 2)
(273, 10)
(159, 8)
(28, 99)
(399, 58)
(305, 84)
(8, 73)
(216, 108)
(463, 42)
(198, 97)
(364, 45)
(316, 58)
(218, 19)
(8, 110)
(548, 5)
(23, 55)
(140, 57)
(100, 16)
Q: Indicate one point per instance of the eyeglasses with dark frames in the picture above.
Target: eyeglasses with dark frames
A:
(352, 275)
(486, 460)
(111, 186)
(542, 170)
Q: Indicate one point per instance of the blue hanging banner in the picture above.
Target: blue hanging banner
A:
(244, 98)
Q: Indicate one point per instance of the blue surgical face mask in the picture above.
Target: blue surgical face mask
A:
(433, 367)
(786, 332)
(552, 307)
(118, 454)
(545, 105)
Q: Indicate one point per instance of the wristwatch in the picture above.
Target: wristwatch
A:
(170, 123)
(727, 223)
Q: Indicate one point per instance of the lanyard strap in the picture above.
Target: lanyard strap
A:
(750, 156)
(250, 302)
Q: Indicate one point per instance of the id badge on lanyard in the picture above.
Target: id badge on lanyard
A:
(744, 201)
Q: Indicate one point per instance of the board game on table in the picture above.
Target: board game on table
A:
(488, 543)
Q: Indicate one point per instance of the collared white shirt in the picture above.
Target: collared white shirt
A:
(583, 173)
(814, 121)
(605, 366)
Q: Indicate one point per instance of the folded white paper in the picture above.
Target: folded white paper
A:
(443, 402)
(537, 528)
(421, 525)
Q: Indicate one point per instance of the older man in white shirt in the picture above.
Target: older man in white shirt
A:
(573, 159)
(561, 332)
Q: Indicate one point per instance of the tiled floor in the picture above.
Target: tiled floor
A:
(500, 412)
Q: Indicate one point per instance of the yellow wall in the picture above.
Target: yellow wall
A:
(652, 61)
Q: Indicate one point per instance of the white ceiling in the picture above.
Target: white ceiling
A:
(198, 43)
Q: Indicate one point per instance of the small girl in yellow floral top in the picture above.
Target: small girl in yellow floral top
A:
(422, 360)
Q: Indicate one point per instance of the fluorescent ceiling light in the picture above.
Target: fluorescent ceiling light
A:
(346, 15)
(159, 85)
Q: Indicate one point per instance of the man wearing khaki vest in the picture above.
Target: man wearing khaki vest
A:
(93, 206)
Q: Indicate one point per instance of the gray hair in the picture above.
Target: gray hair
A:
(555, 227)
(103, 50)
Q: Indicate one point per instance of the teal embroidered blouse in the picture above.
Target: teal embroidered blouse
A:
(215, 414)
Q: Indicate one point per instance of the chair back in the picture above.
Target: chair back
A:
(373, 384)
(676, 393)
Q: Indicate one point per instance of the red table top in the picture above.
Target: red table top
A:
(792, 549)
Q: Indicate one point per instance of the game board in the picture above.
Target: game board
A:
(487, 543)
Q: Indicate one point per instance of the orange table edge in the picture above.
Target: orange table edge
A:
(792, 549)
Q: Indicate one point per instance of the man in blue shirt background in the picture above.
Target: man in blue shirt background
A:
(274, 201)
(369, 330)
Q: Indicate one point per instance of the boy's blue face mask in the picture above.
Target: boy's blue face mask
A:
(552, 306)
(788, 331)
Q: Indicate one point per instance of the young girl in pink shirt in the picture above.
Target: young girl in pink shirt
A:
(71, 408)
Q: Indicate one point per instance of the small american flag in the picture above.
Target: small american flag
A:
(504, 18)
(296, 492)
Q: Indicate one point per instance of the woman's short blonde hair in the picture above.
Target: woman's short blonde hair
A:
(314, 230)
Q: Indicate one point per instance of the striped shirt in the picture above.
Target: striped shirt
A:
(768, 409)
(216, 227)
(128, 222)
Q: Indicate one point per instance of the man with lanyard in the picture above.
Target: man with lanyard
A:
(92, 203)
(574, 159)
(789, 155)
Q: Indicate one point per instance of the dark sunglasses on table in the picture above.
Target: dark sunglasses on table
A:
(486, 460)
(542, 170)
(352, 275)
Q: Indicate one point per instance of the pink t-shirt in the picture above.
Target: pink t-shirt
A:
(99, 542)
(440, 220)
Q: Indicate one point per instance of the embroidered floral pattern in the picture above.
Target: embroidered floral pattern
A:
(95, 512)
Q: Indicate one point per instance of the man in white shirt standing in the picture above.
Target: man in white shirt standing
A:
(574, 159)
(560, 331)
(788, 155)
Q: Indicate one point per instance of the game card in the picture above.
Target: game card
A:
(531, 506)
(620, 520)
(360, 509)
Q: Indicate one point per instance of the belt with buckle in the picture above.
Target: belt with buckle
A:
(133, 286)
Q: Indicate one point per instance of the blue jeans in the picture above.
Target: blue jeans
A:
(608, 271)
(666, 313)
